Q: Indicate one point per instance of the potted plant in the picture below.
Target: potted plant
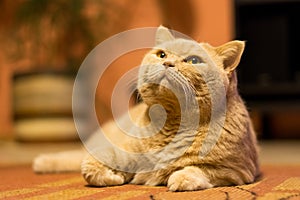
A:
(54, 36)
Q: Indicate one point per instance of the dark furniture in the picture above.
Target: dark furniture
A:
(269, 73)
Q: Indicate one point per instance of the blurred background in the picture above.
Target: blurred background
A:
(44, 42)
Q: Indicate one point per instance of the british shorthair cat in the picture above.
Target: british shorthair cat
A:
(191, 131)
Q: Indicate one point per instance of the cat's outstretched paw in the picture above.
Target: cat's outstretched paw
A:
(188, 179)
(58, 162)
(44, 163)
(97, 174)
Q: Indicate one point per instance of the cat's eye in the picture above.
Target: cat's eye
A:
(161, 54)
(193, 60)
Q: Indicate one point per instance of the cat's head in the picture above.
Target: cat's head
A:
(182, 67)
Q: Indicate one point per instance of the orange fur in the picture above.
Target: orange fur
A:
(231, 161)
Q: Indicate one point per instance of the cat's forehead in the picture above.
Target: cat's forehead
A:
(183, 47)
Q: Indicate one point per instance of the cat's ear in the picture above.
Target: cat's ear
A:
(163, 35)
(231, 53)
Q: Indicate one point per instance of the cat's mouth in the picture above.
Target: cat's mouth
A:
(169, 77)
(164, 78)
(173, 76)
(173, 79)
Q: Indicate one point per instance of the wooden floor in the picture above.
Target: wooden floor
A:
(15, 153)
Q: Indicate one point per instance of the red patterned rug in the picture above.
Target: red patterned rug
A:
(278, 183)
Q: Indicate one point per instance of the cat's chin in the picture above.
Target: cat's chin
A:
(167, 80)
(164, 83)
(167, 85)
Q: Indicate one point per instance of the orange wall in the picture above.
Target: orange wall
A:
(212, 22)
(213, 19)
(5, 101)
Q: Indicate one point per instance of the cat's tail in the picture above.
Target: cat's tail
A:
(66, 161)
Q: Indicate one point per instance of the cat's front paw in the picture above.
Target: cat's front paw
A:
(43, 164)
(97, 174)
(66, 161)
(188, 179)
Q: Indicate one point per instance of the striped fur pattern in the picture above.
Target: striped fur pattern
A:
(199, 145)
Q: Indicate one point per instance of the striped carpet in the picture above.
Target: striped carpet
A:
(278, 183)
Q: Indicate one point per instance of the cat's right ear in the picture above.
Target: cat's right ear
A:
(163, 35)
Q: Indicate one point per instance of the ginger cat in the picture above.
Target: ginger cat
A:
(192, 130)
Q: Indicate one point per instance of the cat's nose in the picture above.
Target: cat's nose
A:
(169, 64)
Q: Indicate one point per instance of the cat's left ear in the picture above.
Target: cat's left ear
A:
(163, 35)
(231, 53)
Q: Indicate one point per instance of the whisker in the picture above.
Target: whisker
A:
(154, 73)
(138, 97)
(132, 82)
(188, 89)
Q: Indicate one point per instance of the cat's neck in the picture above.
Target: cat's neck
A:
(174, 118)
